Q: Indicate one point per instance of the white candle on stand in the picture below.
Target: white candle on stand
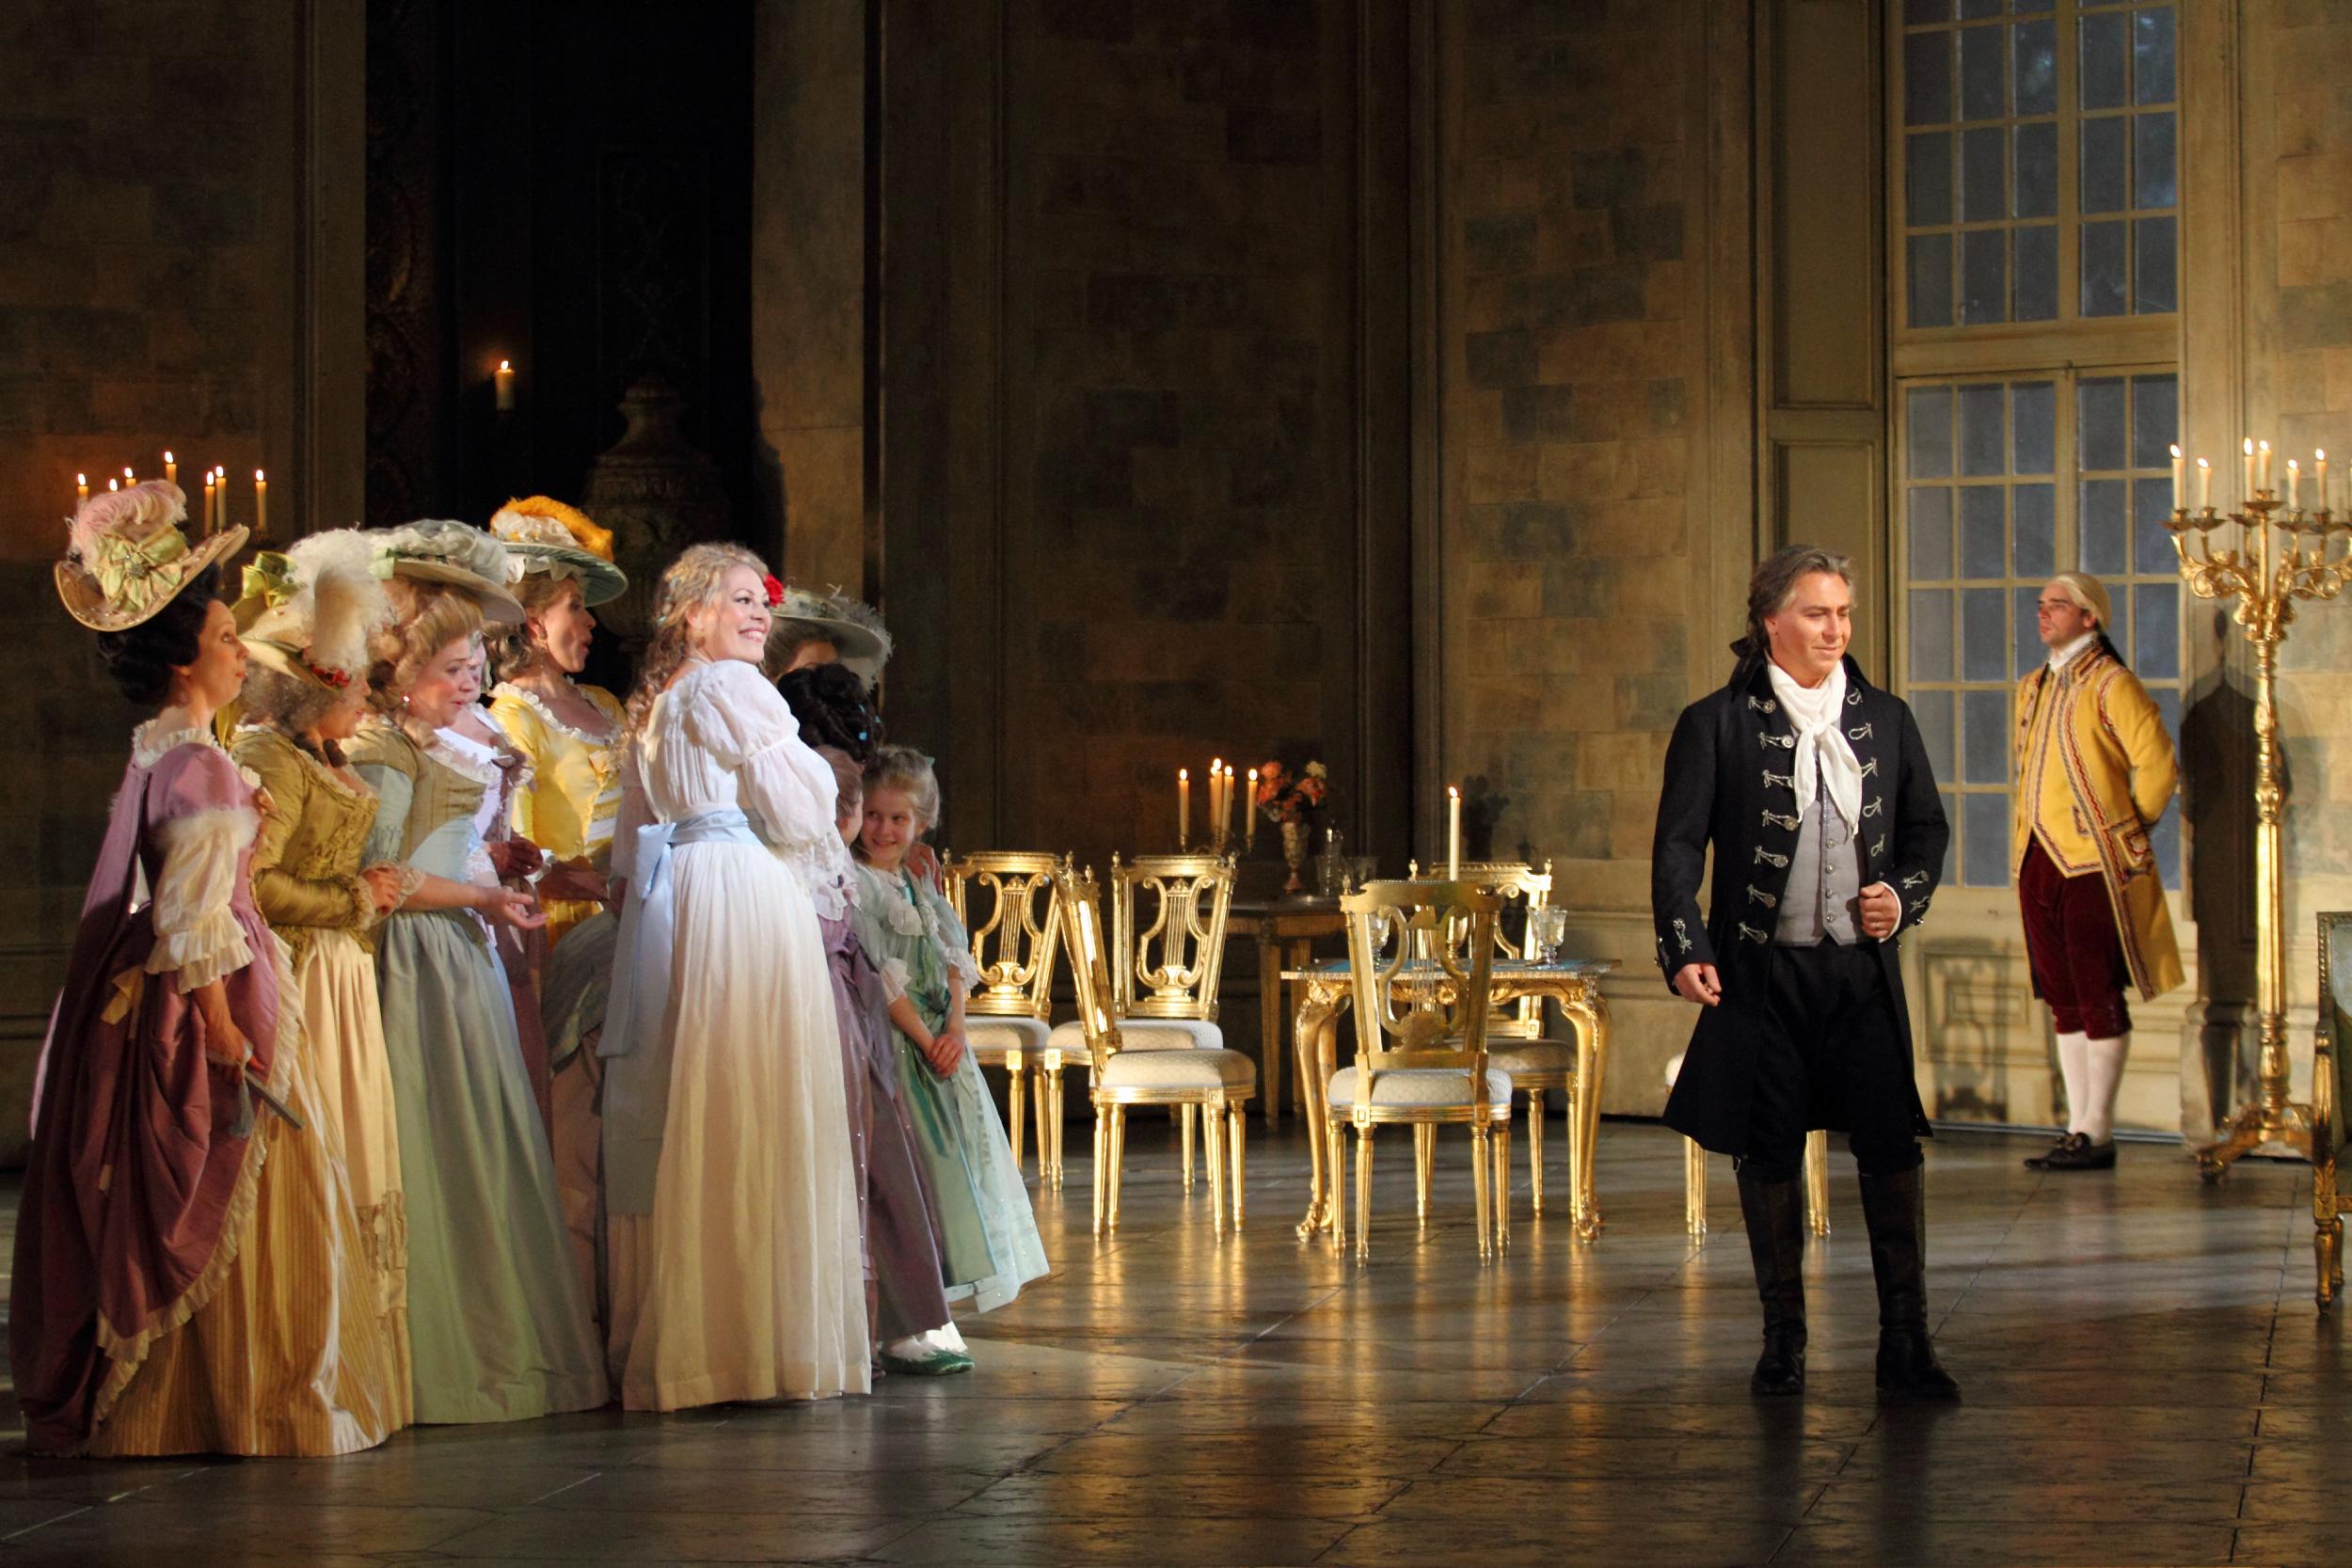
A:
(2204, 486)
(2250, 468)
(1184, 808)
(261, 505)
(2262, 450)
(1249, 815)
(208, 505)
(220, 499)
(81, 488)
(171, 467)
(1452, 833)
(2180, 491)
(2295, 486)
(2319, 463)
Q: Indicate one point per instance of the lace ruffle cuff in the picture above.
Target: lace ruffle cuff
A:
(211, 949)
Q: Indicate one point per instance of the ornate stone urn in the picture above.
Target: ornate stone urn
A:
(658, 493)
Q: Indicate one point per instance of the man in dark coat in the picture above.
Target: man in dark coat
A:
(1815, 789)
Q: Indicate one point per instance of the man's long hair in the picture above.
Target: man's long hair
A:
(1774, 583)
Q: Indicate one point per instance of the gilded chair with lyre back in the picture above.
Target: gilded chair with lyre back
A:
(1210, 1081)
(1167, 921)
(1516, 1042)
(2332, 1100)
(1421, 962)
(1006, 900)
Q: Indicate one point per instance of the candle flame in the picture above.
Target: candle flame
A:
(167, 457)
(81, 479)
(2176, 448)
(259, 478)
(114, 484)
(129, 477)
(2250, 446)
(1452, 793)
(506, 367)
(1182, 774)
(2263, 446)
(2202, 463)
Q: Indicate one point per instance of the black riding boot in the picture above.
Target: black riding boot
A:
(1774, 1212)
(1894, 1208)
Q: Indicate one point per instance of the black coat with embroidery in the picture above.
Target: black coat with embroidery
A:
(1730, 781)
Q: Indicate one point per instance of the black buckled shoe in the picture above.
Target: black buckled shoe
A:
(1774, 1214)
(2064, 1140)
(2076, 1152)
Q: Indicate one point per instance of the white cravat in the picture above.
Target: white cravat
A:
(2061, 658)
(1823, 754)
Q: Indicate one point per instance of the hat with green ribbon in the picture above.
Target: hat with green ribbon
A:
(126, 559)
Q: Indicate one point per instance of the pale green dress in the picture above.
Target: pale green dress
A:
(990, 1243)
(498, 1330)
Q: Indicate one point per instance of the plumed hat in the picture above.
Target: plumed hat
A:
(542, 534)
(312, 612)
(855, 631)
(437, 549)
(125, 556)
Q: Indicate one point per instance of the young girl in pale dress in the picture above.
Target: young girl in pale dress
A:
(730, 1199)
(990, 1246)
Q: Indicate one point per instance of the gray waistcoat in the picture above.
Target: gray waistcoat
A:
(1824, 880)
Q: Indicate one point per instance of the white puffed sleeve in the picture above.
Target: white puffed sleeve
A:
(785, 787)
(198, 938)
(636, 811)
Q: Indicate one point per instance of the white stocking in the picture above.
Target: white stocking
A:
(2074, 1071)
(2103, 1060)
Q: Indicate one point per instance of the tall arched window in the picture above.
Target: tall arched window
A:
(2035, 210)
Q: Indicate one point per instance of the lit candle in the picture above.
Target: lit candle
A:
(1184, 807)
(2295, 486)
(1216, 801)
(81, 488)
(113, 485)
(2263, 480)
(2204, 486)
(505, 382)
(220, 497)
(1452, 833)
(261, 505)
(171, 467)
(2250, 468)
(2180, 490)
(1250, 808)
(129, 478)
(1228, 825)
(208, 505)
(2319, 473)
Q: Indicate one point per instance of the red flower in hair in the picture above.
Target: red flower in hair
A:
(775, 592)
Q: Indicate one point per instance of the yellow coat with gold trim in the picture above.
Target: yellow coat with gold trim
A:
(2095, 771)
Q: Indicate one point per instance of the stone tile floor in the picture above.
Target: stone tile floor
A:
(2147, 1383)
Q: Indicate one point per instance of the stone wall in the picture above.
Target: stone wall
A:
(164, 258)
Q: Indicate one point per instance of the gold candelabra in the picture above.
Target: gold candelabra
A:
(2279, 554)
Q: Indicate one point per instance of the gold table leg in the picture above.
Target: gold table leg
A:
(1591, 1017)
(1271, 1024)
(1316, 1042)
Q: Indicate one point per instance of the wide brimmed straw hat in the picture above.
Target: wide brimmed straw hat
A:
(542, 534)
(125, 556)
(439, 549)
(855, 631)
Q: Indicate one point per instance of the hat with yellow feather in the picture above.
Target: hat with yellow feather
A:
(542, 534)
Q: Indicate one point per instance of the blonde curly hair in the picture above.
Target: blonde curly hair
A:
(693, 582)
(426, 618)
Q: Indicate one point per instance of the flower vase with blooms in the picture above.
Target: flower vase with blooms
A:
(1290, 801)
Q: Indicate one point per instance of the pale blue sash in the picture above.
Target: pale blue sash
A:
(637, 1019)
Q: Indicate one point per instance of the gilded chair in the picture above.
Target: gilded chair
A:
(1516, 1042)
(1210, 1081)
(1167, 920)
(1694, 1176)
(1421, 962)
(2331, 1099)
(1007, 903)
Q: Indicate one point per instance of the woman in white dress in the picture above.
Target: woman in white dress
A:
(732, 1252)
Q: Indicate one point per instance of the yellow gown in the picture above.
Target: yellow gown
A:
(574, 794)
